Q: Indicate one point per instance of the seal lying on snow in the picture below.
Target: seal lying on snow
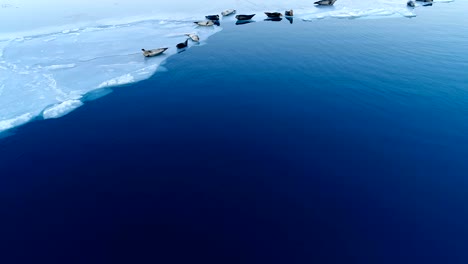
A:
(193, 37)
(245, 17)
(206, 23)
(212, 17)
(273, 14)
(325, 2)
(182, 45)
(153, 52)
(228, 12)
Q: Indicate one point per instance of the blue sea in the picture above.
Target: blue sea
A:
(328, 141)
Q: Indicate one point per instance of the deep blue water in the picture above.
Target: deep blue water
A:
(332, 141)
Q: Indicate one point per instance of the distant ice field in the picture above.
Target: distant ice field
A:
(52, 52)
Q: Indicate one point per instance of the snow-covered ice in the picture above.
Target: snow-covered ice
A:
(52, 52)
(41, 71)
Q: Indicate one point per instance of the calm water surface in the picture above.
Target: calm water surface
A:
(332, 141)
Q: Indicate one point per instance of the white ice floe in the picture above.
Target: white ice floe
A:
(124, 79)
(61, 109)
(52, 52)
(17, 121)
(55, 68)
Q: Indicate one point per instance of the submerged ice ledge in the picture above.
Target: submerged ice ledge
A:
(49, 61)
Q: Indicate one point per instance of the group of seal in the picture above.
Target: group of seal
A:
(214, 20)
(182, 45)
(211, 20)
(243, 19)
(277, 16)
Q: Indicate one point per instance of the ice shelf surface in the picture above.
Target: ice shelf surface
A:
(52, 52)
